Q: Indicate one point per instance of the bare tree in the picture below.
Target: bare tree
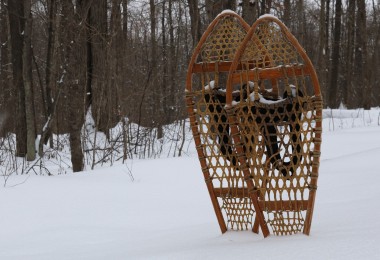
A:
(27, 78)
(375, 64)
(214, 7)
(349, 52)
(6, 95)
(195, 21)
(74, 74)
(17, 28)
(335, 58)
(287, 11)
(103, 88)
(361, 75)
(50, 72)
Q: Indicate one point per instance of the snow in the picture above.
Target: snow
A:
(263, 100)
(47, 123)
(271, 17)
(210, 86)
(164, 211)
(226, 12)
(268, 16)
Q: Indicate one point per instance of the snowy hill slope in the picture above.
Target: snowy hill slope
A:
(166, 213)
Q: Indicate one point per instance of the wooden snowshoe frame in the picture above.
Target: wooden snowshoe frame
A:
(277, 140)
(207, 74)
(254, 105)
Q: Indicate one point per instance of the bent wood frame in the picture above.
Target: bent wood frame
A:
(220, 66)
(270, 73)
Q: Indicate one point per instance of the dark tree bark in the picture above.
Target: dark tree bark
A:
(322, 66)
(7, 93)
(125, 18)
(335, 57)
(363, 89)
(328, 36)
(195, 21)
(287, 11)
(50, 73)
(153, 58)
(117, 46)
(74, 74)
(171, 106)
(17, 28)
(266, 6)
(50, 59)
(125, 50)
(214, 7)
(156, 92)
(163, 113)
(50, 76)
(249, 11)
(27, 77)
(104, 107)
(301, 22)
(375, 65)
(348, 79)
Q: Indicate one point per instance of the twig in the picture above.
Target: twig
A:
(129, 171)
(12, 186)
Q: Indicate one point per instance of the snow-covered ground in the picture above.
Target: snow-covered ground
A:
(165, 211)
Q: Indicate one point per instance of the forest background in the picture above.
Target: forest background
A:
(72, 72)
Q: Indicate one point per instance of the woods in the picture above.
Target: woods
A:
(73, 71)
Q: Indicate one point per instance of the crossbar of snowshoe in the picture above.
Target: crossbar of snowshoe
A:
(270, 73)
(269, 205)
(252, 71)
(223, 66)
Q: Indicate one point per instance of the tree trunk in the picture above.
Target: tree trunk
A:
(125, 19)
(249, 11)
(300, 22)
(325, 26)
(195, 21)
(17, 29)
(348, 84)
(116, 64)
(163, 112)
(335, 57)
(375, 79)
(27, 77)
(171, 106)
(322, 64)
(287, 11)
(215, 7)
(104, 107)
(50, 71)
(7, 93)
(360, 58)
(76, 149)
(153, 41)
(157, 102)
(74, 52)
(50, 59)
(364, 90)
